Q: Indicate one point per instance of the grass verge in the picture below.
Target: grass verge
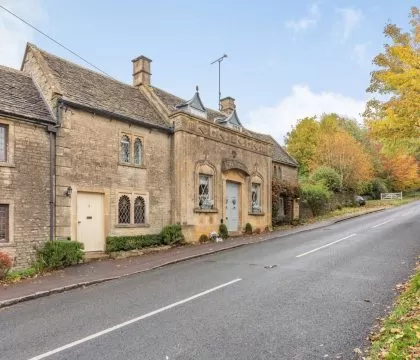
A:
(398, 337)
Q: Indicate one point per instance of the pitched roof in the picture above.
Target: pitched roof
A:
(195, 102)
(20, 97)
(91, 89)
(282, 156)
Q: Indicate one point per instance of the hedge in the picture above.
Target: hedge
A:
(126, 243)
(56, 254)
(170, 235)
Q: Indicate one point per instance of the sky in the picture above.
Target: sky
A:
(286, 59)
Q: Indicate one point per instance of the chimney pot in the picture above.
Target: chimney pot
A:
(141, 71)
(227, 105)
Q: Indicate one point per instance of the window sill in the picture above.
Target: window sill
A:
(7, 164)
(6, 244)
(142, 166)
(198, 210)
(256, 213)
(129, 226)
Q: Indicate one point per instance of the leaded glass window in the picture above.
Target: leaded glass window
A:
(138, 151)
(4, 223)
(256, 197)
(124, 210)
(139, 210)
(3, 142)
(205, 200)
(125, 149)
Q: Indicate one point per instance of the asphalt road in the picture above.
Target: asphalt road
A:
(312, 295)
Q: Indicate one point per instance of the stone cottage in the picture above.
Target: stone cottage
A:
(27, 129)
(130, 159)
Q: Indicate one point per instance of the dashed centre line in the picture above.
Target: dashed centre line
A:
(326, 245)
(382, 223)
(142, 317)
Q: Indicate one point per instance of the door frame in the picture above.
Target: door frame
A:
(239, 185)
(106, 205)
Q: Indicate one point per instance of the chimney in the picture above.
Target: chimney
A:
(227, 105)
(141, 71)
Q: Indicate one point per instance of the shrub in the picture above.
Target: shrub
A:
(172, 234)
(257, 231)
(248, 228)
(317, 196)
(56, 254)
(223, 231)
(329, 177)
(126, 243)
(203, 238)
(5, 264)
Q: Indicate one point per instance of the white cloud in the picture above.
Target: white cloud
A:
(14, 33)
(350, 19)
(309, 20)
(302, 102)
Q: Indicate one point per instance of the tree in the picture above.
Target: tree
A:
(342, 152)
(396, 121)
(402, 169)
(302, 141)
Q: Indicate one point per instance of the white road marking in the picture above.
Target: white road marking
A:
(382, 223)
(142, 317)
(406, 213)
(326, 245)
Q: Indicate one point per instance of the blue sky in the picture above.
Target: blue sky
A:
(286, 59)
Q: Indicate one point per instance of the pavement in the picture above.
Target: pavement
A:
(308, 295)
(91, 273)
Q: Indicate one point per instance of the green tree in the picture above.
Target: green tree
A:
(302, 142)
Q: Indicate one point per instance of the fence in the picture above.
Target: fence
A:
(391, 196)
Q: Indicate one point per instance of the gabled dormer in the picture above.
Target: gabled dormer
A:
(194, 106)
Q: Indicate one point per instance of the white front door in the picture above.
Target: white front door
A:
(90, 221)
(232, 206)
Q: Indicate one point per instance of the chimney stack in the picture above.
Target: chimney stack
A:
(141, 71)
(227, 105)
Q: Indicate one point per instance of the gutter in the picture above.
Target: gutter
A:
(111, 114)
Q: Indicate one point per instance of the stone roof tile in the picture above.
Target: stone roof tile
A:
(19, 96)
(91, 89)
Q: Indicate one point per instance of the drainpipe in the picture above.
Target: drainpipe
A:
(52, 130)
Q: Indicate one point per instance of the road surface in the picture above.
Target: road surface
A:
(312, 295)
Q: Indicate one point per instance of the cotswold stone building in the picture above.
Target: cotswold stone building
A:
(130, 159)
(27, 129)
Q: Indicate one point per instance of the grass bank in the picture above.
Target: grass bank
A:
(398, 336)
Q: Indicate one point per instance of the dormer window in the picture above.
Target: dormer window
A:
(232, 121)
(194, 106)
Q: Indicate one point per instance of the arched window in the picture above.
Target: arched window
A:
(139, 210)
(125, 149)
(124, 210)
(138, 152)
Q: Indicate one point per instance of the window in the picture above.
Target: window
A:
(3, 142)
(125, 149)
(205, 198)
(4, 223)
(124, 210)
(132, 210)
(256, 198)
(139, 210)
(138, 149)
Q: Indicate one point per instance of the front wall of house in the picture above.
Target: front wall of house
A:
(220, 153)
(88, 161)
(285, 172)
(25, 189)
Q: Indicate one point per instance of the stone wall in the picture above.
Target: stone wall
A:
(198, 144)
(88, 160)
(24, 186)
